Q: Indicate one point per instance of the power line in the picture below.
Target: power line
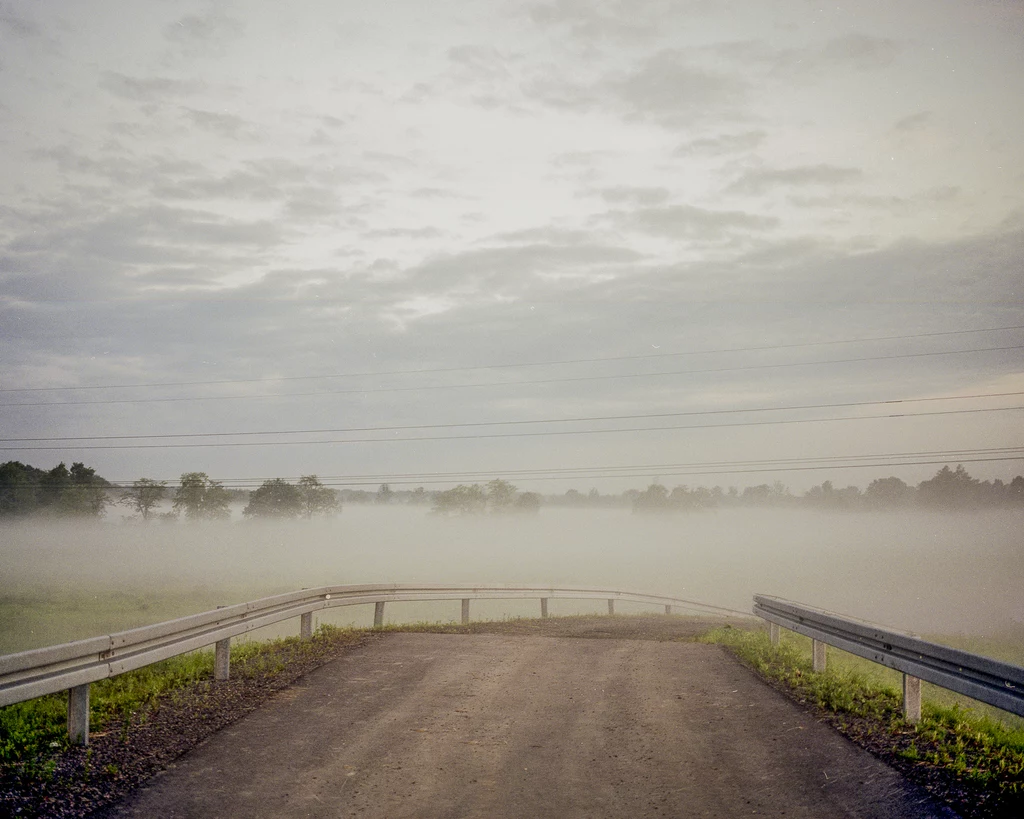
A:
(508, 434)
(563, 380)
(521, 364)
(473, 424)
(877, 459)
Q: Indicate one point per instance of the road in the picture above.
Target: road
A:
(435, 725)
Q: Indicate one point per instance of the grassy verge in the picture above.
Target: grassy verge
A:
(33, 734)
(974, 758)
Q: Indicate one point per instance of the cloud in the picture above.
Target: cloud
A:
(17, 23)
(721, 144)
(688, 221)
(860, 51)
(229, 126)
(203, 30)
(634, 195)
(151, 89)
(760, 181)
(665, 87)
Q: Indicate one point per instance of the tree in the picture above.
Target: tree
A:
(202, 499)
(317, 499)
(527, 503)
(464, 500)
(500, 495)
(889, 491)
(949, 488)
(274, 499)
(144, 495)
(19, 488)
(384, 494)
(654, 498)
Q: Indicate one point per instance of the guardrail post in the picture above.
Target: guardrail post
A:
(306, 625)
(465, 610)
(543, 607)
(378, 614)
(668, 609)
(222, 660)
(611, 607)
(773, 633)
(911, 699)
(78, 714)
(818, 655)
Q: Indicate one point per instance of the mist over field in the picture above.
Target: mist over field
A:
(928, 572)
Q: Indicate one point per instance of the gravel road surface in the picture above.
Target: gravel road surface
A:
(437, 725)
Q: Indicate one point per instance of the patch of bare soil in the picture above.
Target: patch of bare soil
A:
(636, 627)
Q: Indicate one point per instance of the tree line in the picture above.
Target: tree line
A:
(947, 489)
(79, 492)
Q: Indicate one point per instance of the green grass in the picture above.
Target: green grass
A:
(33, 733)
(977, 745)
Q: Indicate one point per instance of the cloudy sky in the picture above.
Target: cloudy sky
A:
(579, 234)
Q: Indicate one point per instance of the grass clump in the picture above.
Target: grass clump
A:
(33, 733)
(977, 753)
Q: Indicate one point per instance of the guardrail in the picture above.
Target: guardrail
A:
(990, 681)
(73, 666)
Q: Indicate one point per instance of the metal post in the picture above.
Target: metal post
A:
(378, 614)
(78, 714)
(222, 660)
(611, 607)
(818, 652)
(465, 610)
(543, 607)
(911, 699)
(668, 609)
(773, 633)
(306, 625)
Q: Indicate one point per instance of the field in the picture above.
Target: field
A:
(933, 574)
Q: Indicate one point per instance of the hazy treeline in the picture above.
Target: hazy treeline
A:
(947, 489)
(80, 492)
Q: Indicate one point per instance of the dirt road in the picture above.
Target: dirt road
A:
(435, 725)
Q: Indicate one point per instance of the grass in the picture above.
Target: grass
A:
(960, 737)
(34, 733)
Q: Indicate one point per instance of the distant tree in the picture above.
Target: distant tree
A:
(19, 488)
(317, 499)
(573, 497)
(949, 488)
(419, 496)
(384, 494)
(78, 491)
(144, 495)
(654, 498)
(274, 499)
(462, 500)
(202, 499)
(888, 492)
(756, 494)
(527, 503)
(500, 495)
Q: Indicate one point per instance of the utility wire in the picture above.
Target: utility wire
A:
(634, 470)
(519, 364)
(591, 418)
(507, 434)
(564, 380)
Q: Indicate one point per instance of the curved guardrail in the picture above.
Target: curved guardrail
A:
(981, 678)
(73, 666)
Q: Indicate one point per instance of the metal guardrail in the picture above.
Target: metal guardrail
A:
(73, 666)
(981, 678)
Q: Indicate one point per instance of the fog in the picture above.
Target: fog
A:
(930, 573)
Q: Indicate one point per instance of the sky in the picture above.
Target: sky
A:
(698, 243)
